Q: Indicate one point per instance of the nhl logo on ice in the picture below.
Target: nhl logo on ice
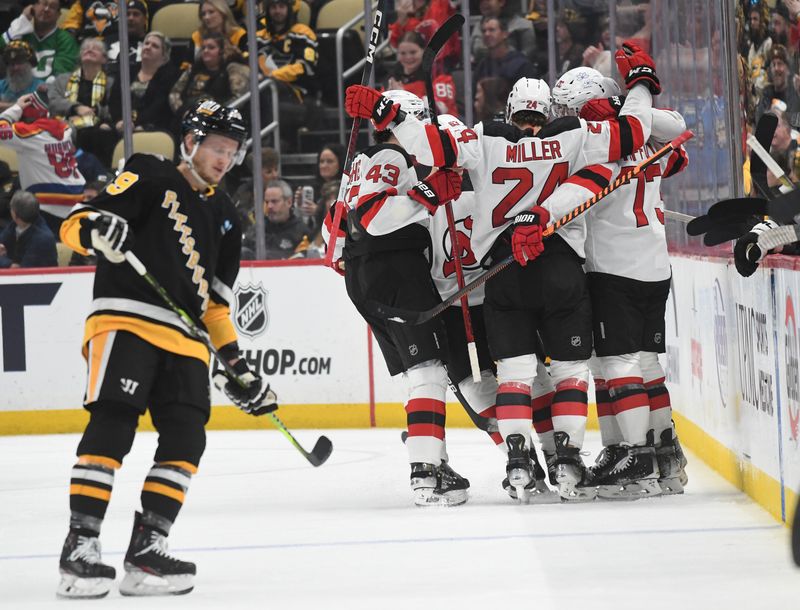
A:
(251, 316)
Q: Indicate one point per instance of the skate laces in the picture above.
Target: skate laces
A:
(158, 545)
(88, 550)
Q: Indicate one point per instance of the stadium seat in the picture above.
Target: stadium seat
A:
(332, 16)
(9, 155)
(62, 16)
(176, 21)
(64, 253)
(304, 14)
(336, 13)
(153, 142)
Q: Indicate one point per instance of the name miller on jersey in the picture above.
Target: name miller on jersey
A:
(187, 241)
(533, 150)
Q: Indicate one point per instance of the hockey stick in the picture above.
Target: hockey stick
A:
(438, 40)
(679, 216)
(323, 447)
(756, 147)
(351, 144)
(404, 316)
(779, 236)
(765, 130)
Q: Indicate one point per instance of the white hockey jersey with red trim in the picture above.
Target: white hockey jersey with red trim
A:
(512, 171)
(47, 165)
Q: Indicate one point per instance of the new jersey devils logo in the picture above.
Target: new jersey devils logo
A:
(464, 244)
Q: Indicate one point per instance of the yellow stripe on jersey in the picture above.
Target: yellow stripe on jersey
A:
(100, 460)
(92, 492)
(218, 322)
(164, 490)
(157, 334)
(187, 466)
(69, 232)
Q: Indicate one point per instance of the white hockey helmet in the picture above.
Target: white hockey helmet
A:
(578, 86)
(409, 103)
(531, 94)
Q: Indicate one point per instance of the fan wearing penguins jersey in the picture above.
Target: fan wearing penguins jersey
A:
(513, 170)
(628, 295)
(139, 354)
(388, 212)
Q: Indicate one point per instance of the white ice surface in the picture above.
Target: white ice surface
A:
(269, 531)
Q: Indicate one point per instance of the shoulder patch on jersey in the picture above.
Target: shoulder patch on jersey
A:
(498, 129)
(553, 128)
(303, 30)
(376, 148)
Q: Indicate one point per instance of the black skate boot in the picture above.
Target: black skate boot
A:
(437, 485)
(574, 482)
(519, 468)
(538, 491)
(673, 476)
(83, 574)
(450, 485)
(150, 569)
(635, 475)
(605, 461)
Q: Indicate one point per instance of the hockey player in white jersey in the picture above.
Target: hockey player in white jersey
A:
(628, 295)
(513, 171)
(389, 208)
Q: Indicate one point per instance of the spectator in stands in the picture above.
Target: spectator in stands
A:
(490, 99)
(93, 19)
(138, 24)
(520, 30)
(570, 30)
(219, 74)
(151, 81)
(784, 149)
(216, 18)
(27, 242)
(759, 44)
(501, 60)
(83, 98)
(779, 25)
(408, 74)
(287, 53)
(330, 164)
(425, 17)
(328, 195)
(598, 54)
(56, 50)
(286, 234)
(47, 165)
(20, 60)
(243, 195)
(782, 87)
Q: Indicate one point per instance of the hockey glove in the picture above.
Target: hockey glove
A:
(636, 66)
(747, 252)
(603, 108)
(367, 103)
(441, 187)
(526, 241)
(254, 397)
(108, 235)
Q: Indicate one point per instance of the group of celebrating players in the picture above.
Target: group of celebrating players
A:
(590, 299)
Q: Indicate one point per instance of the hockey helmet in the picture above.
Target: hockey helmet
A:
(578, 86)
(530, 94)
(409, 103)
(207, 117)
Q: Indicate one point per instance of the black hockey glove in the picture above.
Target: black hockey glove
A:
(106, 234)
(254, 396)
(747, 252)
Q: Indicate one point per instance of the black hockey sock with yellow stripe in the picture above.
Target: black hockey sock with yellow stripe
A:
(164, 491)
(91, 482)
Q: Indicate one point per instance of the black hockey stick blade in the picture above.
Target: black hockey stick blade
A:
(321, 452)
(439, 38)
(785, 208)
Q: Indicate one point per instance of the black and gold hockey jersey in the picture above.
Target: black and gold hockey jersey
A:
(294, 54)
(188, 240)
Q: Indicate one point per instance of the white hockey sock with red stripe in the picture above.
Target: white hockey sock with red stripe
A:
(657, 393)
(626, 390)
(570, 402)
(513, 402)
(425, 412)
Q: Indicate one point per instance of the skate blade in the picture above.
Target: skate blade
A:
(75, 587)
(671, 486)
(429, 497)
(544, 497)
(621, 493)
(569, 491)
(139, 583)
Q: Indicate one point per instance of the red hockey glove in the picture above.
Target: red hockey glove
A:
(636, 66)
(441, 187)
(367, 103)
(603, 108)
(526, 241)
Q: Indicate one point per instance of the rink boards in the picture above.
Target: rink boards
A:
(732, 361)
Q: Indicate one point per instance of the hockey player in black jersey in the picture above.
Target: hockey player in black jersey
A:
(139, 354)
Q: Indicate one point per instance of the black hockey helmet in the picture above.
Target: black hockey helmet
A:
(207, 117)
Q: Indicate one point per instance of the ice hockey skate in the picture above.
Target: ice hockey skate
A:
(438, 485)
(83, 574)
(537, 490)
(574, 481)
(635, 475)
(606, 460)
(519, 468)
(671, 464)
(150, 569)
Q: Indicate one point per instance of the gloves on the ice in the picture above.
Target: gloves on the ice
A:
(527, 240)
(252, 395)
(367, 103)
(747, 252)
(603, 108)
(441, 187)
(636, 66)
(106, 234)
